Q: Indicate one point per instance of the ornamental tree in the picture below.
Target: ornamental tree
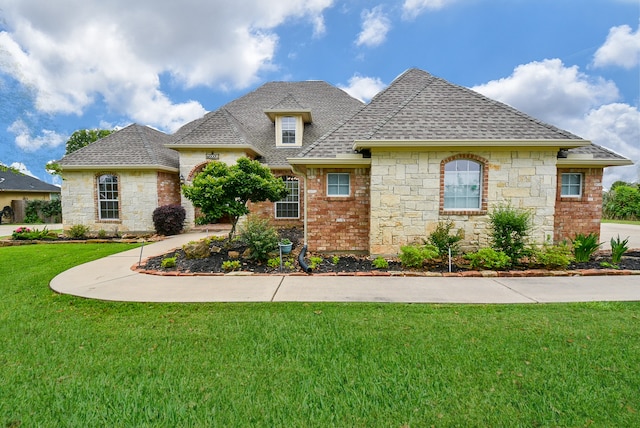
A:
(221, 189)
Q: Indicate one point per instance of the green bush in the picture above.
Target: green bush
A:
(618, 248)
(622, 202)
(551, 256)
(77, 231)
(442, 239)
(315, 262)
(584, 246)
(488, 258)
(380, 263)
(231, 265)
(168, 262)
(510, 228)
(27, 234)
(260, 236)
(414, 256)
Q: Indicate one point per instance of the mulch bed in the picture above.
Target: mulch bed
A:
(345, 264)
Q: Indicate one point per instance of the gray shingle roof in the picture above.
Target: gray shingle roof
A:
(11, 181)
(135, 145)
(419, 106)
(243, 121)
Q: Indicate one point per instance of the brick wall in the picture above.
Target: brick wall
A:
(168, 189)
(338, 224)
(268, 210)
(579, 214)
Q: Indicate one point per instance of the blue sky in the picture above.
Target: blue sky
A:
(74, 64)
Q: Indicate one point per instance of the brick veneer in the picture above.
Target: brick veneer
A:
(338, 224)
(579, 214)
(168, 189)
(268, 210)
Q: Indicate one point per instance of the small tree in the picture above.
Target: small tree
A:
(220, 189)
(510, 228)
(84, 137)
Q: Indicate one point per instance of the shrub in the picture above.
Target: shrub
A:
(78, 231)
(260, 236)
(442, 239)
(488, 258)
(168, 262)
(169, 219)
(510, 228)
(380, 263)
(231, 265)
(274, 263)
(25, 233)
(315, 262)
(414, 256)
(618, 248)
(622, 202)
(584, 246)
(552, 256)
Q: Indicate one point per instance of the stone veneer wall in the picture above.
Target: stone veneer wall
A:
(406, 188)
(338, 224)
(138, 197)
(582, 214)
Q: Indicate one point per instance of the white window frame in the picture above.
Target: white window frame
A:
(565, 187)
(340, 184)
(463, 177)
(293, 197)
(289, 123)
(108, 196)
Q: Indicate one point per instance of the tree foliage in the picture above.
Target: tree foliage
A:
(622, 202)
(221, 189)
(84, 137)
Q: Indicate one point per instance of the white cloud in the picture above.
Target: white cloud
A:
(375, 26)
(622, 48)
(363, 88)
(22, 168)
(413, 8)
(551, 92)
(28, 143)
(571, 100)
(74, 55)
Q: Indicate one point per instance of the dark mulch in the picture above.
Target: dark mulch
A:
(341, 263)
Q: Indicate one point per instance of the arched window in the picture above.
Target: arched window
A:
(108, 206)
(289, 207)
(463, 185)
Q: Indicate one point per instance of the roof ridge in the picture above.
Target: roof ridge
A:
(146, 143)
(234, 124)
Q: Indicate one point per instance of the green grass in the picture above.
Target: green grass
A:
(66, 361)
(622, 222)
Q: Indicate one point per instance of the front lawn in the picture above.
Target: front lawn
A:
(66, 361)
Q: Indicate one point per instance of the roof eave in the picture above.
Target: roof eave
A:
(273, 113)
(466, 143)
(337, 162)
(592, 163)
(223, 147)
(119, 167)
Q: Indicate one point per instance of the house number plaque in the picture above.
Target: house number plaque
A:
(212, 156)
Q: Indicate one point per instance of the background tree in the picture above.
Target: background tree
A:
(220, 189)
(84, 137)
(622, 202)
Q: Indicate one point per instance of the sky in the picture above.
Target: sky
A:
(85, 64)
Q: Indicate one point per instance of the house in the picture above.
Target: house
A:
(364, 178)
(17, 188)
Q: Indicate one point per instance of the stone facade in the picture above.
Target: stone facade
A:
(582, 214)
(406, 189)
(137, 198)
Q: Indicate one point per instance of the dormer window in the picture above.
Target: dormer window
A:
(288, 131)
(289, 125)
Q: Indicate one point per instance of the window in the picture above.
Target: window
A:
(571, 185)
(338, 184)
(108, 208)
(288, 124)
(289, 207)
(462, 185)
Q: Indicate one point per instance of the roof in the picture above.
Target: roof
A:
(420, 107)
(245, 122)
(11, 181)
(134, 146)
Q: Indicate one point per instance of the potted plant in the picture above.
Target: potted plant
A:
(285, 246)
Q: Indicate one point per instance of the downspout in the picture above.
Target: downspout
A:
(303, 264)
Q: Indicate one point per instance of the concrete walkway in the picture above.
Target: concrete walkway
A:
(111, 278)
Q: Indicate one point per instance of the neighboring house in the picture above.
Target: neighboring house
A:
(362, 178)
(17, 188)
